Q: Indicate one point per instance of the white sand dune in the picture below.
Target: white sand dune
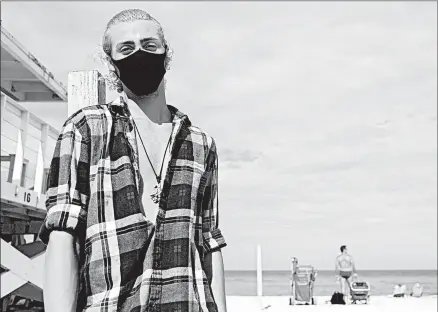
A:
(376, 304)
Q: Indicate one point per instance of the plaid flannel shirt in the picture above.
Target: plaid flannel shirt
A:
(94, 193)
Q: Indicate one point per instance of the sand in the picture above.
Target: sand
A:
(376, 304)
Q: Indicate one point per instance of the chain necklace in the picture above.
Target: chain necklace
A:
(156, 194)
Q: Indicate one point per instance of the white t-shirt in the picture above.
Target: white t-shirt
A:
(155, 138)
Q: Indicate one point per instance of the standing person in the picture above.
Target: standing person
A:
(345, 269)
(109, 247)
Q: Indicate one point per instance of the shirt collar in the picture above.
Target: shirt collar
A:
(120, 106)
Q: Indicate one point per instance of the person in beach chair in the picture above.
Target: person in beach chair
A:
(417, 290)
(399, 291)
(345, 270)
(302, 283)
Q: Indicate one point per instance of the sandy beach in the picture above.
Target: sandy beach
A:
(376, 304)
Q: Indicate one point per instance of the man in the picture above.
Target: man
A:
(109, 247)
(345, 269)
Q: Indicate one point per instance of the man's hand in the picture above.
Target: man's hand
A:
(61, 274)
(214, 269)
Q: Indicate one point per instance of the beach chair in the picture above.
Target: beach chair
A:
(302, 284)
(360, 292)
(417, 290)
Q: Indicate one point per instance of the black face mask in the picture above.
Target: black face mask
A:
(142, 71)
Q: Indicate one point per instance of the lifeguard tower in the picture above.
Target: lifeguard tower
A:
(27, 145)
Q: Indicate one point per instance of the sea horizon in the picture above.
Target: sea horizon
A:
(277, 282)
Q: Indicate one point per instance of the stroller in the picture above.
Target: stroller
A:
(302, 283)
(360, 292)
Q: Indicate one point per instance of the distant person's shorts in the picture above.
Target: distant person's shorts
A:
(345, 274)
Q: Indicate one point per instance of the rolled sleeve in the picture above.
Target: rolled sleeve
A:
(67, 191)
(212, 235)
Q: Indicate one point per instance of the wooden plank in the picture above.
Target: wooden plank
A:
(19, 195)
(30, 86)
(24, 125)
(14, 215)
(44, 138)
(23, 173)
(39, 172)
(85, 88)
(32, 142)
(8, 145)
(18, 264)
(32, 213)
(21, 203)
(13, 108)
(31, 66)
(11, 168)
(10, 282)
(10, 127)
(6, 158)
(20, 227)
(18, 162)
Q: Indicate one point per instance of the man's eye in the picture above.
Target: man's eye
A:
(125, 49)
(151, 46)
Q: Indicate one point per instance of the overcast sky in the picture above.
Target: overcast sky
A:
(324, 115)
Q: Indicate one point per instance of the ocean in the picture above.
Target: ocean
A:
(277, 283)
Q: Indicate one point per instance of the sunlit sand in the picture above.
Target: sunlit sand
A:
(377, 304)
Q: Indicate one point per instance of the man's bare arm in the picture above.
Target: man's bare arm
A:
(337, 268)
(353, 265)
(61, 274)
(214, 268)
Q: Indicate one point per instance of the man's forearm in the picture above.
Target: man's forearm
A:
(217, 278)
(60, 274)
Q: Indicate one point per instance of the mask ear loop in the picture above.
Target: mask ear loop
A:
(119, 86)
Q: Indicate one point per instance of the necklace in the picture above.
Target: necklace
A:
(156, 194)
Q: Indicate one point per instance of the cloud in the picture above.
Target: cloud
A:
(237, 158)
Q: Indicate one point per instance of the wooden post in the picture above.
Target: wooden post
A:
(24, 126)
(18, 161)
(293, 269)
(259, 276)
(39, 172)
(85, 88)
(44, 139)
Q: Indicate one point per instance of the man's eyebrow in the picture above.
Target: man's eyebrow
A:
(142, 41)
(124, 42)
(148, 39)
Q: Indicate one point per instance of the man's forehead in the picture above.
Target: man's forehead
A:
(135, 30)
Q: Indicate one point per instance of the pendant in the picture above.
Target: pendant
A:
(156, 194)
